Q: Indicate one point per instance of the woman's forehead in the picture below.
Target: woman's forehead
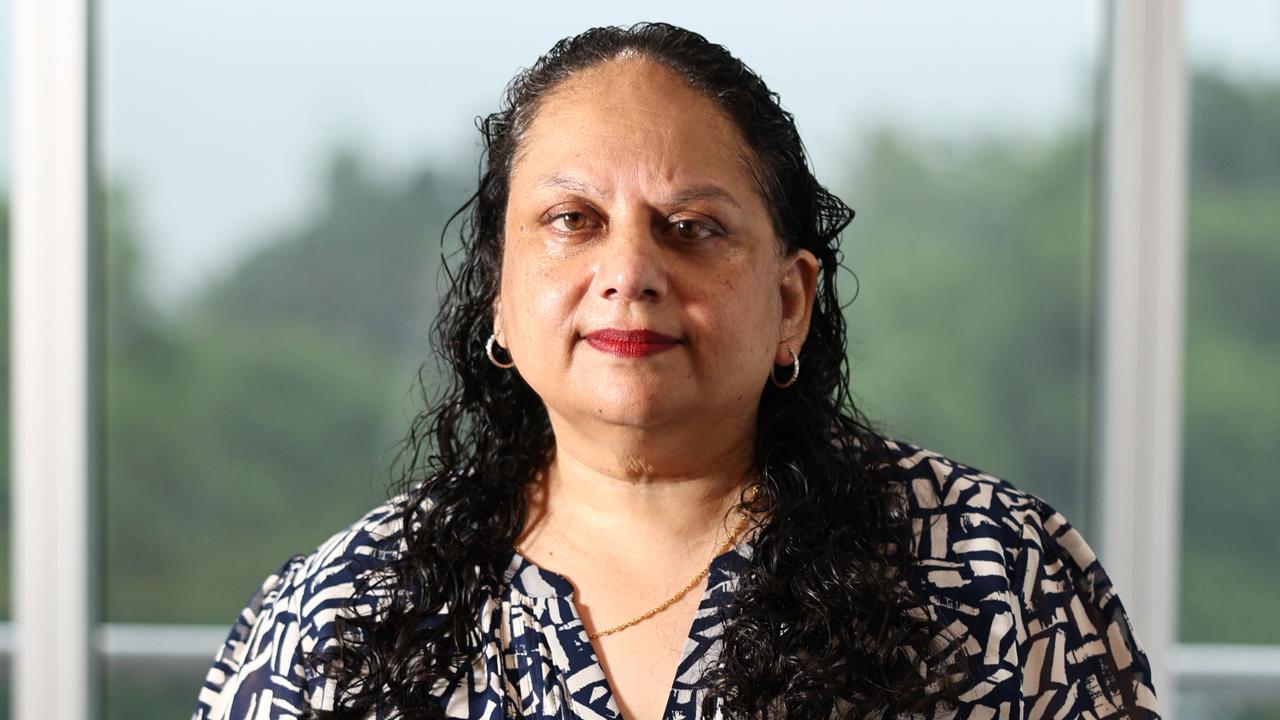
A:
(630, 120)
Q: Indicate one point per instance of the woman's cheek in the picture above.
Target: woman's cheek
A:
(553, 294)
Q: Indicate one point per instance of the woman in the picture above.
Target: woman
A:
(645, 493)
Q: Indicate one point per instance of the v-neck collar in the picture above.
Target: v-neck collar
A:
(532, 580)
(585, 683)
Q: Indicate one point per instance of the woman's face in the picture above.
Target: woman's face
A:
(631, 208)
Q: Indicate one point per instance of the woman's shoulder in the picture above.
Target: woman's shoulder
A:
(292, 615)
(1021, 592)
(340, 573)
(367, 543)
(973, 532)
(951, 501)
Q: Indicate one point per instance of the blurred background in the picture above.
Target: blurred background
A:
(274, 179)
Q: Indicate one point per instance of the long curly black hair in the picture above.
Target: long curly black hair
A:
(824, 623)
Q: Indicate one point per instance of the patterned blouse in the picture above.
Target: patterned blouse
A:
(1044, 631)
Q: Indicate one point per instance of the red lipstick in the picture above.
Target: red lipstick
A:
(630, 343)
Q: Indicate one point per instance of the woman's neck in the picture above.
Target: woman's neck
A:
(631, 498)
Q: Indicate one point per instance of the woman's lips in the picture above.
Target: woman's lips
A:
(630, 343)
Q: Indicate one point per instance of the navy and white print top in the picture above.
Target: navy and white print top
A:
(1044, 632)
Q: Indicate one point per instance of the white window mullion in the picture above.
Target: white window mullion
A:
(1245, 671)
(1143, 278)
(53, 591)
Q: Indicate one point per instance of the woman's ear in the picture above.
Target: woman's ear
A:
(798, 286)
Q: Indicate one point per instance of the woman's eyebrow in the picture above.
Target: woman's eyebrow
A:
(704, 192)
(566, 182)
(712, 193)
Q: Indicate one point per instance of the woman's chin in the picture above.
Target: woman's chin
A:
(629, 404)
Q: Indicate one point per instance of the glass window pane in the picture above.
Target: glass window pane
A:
(1229, 703)
(972, 327)
(273, 213)
(161, 688)
(270, 278)
(1230, 578)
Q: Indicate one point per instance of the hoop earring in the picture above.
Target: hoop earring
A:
(795, 371)
(488, 349)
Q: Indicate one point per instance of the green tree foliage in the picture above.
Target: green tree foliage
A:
(1230, 579)
(364, 263)
(970, 332)
(260, 416)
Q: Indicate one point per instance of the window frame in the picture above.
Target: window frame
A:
(52, 386)
(1138, 408)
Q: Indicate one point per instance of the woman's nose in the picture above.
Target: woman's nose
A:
(631, 266)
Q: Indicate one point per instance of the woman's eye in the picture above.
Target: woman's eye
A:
(571, 221)
(687, 229)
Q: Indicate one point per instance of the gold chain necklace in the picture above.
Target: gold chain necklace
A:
(724, 547)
